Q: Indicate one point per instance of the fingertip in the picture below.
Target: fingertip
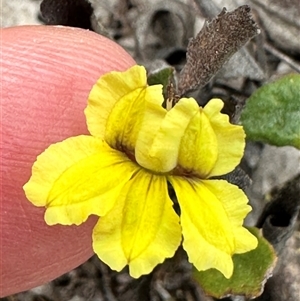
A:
(47, 73)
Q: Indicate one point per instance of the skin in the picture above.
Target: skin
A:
(46, 75)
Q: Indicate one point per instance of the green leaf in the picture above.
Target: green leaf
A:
(161, 76)
(251, 270)
(272, 113)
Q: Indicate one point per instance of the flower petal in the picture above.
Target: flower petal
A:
(161, 133)
(234, 202)
(125, 120)
(230, 138)
(141, 230)
(212, 213)
(76, 178)
(198, 151)
(108, 90)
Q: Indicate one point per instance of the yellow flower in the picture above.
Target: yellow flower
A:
(121, 173)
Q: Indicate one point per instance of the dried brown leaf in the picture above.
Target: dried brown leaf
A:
(218, 40)
(75, 13)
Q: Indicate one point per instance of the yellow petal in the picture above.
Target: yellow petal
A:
(76, 178)
(212, 213)
(108, 90)
(234, 202)
(141, 230)
(159, 139)
(230, 138)
(198, 151)
(125, 120)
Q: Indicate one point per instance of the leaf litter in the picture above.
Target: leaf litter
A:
(157, 34)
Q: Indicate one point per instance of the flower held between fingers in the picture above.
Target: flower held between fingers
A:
(121, 173)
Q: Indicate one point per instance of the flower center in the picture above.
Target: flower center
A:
(129, 154)
(177, 171)
(180, 171)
